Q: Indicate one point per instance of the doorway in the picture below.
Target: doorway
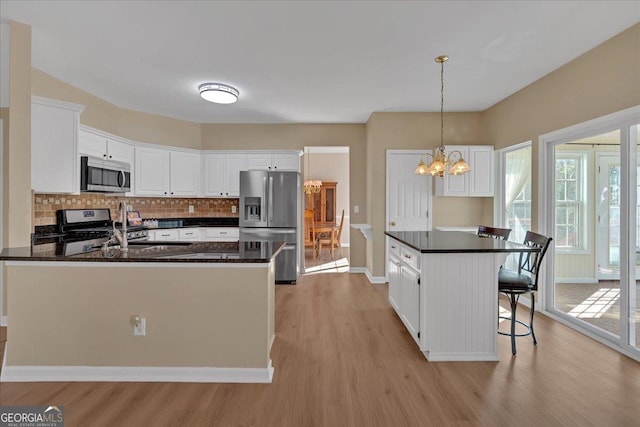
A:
(326, 205)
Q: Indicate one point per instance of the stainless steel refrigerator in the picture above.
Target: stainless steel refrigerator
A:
(269, 211)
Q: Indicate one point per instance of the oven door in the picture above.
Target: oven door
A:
(104, 176)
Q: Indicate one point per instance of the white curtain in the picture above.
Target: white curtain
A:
(517, 174)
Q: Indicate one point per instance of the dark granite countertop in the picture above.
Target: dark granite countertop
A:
(201, 252)
(454, 242)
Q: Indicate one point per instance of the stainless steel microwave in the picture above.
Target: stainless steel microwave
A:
(104, 176)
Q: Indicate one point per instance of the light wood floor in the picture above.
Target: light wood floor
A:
(343, 358)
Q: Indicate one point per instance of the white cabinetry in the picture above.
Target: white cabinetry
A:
(404, 285)
(97, 145)
(186, 175)
(393, 269)
(54, 146)
(479, 182)
(164, 235)
(196, 234)
(222, 174)
(189, 234)
(152, 172)
(274, 161)
(222, 234)
(160, 172)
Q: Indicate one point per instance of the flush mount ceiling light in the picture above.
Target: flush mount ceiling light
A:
(441, 163)
(218, 93)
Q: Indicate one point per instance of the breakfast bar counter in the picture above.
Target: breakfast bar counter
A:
(444, 287)
(194, 312)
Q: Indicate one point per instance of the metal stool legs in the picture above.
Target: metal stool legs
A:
(513, 303)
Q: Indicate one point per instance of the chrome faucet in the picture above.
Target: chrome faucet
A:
(121, 236)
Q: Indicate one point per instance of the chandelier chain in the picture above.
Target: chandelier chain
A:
(442, 105)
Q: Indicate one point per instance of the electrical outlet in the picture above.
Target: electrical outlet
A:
(140, 326)
(234, 209)
(356, 209)
(191, 209)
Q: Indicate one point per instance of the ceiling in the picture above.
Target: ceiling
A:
(310, 61)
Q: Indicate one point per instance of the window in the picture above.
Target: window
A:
(570, 201)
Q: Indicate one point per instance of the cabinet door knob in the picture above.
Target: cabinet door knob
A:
(111, 157)
(393, 223)
(165, 192)
(104, 155)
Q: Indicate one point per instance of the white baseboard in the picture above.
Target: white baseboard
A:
(134, 374)
(374, 280)
(3, 320)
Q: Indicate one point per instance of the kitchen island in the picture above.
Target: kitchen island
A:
(199, 312)
(444, 287)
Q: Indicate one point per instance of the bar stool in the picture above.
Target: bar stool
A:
(513, 283)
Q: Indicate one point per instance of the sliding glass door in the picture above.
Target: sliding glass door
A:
(591, 202)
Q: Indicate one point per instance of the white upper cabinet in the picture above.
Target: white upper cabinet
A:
(97, 145)
(160, 172)
(274, 162)
(186, 174)
(54, 146)
(481, 179)
(151, 173)
(222, 174)
(478, 182)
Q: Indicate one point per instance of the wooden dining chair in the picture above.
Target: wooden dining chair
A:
(310, 239)
(336, 239)
(494, 232)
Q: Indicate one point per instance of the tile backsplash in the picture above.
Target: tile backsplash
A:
(45, 206)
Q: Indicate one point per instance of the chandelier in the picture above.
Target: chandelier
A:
(310, 185)
(453, 163)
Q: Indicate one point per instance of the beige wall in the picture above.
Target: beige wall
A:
(604, 80)
(134, 125)
(298, 136)
(417, 131)
(82, 316)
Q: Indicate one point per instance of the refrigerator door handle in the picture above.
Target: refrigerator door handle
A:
(270, 199)
(263, 212)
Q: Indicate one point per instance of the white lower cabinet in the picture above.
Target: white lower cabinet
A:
(164, 235)
(196, 234)
(410, 299)
(222, 234)
(189, 234)
(404, 285)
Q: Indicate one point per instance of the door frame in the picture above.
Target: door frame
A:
(623, 121)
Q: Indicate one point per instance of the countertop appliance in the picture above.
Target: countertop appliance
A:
(269, 211)
(104, 176)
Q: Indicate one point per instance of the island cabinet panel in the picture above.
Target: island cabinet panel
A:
(205, 322)
(404, 285)
(444, 287)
